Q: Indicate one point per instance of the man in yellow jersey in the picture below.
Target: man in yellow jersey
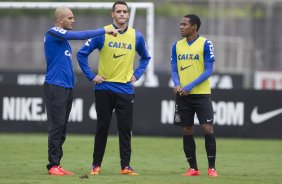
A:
(192, 61)
(114, 83)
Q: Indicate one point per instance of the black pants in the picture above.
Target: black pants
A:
(58, 105)
(106, 102)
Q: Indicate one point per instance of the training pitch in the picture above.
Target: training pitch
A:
(158, 160)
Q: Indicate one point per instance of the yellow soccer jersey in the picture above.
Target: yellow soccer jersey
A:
(190, 64)
(116, 58)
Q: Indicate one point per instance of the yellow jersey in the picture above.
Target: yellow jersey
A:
(116, 58)
(190, 64)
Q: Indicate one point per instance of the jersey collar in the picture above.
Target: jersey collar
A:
(192, 41)
(121, 32)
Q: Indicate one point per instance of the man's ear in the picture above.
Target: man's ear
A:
(61, 20)
(195, 26)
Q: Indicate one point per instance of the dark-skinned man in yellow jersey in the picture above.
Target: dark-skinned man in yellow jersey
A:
(192, 61)
(114, 84)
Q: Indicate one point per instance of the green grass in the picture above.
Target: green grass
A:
(158, 161)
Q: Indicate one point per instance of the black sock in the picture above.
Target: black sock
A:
(189, 147)
(210, 149)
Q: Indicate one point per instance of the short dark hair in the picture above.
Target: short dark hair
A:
(194, 19)
(118, 2)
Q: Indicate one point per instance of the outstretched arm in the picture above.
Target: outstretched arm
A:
(83, 35)
(80, 35)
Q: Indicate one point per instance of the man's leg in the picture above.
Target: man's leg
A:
(189, 147)
(56, 102)
(124, 112)
(205, 115)
(210, 144)
(187, 113)
(104, 107)
(68, 110)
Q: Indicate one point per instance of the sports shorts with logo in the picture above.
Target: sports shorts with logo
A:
(187, 106)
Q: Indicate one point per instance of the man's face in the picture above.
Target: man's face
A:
(120, 14)
(67, 20)
(186, 29)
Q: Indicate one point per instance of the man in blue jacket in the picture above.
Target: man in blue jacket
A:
(59, 81)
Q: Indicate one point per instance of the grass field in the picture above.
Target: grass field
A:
(158, 161)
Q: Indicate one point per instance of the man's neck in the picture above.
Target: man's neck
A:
(58, 25)
(192, 37)
(120, 26)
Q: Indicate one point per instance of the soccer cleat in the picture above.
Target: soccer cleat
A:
(56, 171)
(212, 172)
(95, 170)
(65, 171)
(191, 172)
(128, 171)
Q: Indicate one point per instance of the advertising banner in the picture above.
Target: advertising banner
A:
(268, 80)
(237, 113)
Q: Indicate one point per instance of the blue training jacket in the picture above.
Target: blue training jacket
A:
(58, 54)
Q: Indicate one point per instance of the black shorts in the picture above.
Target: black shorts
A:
(187, 106)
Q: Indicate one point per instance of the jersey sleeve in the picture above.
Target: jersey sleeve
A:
(174, 71)
(83, 53)
(143, 53)
(63, 34)
(208, 51)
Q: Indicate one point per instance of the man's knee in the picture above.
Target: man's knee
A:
(207, 128)
(188, 130)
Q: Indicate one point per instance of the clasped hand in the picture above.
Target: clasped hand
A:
(180, 91)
